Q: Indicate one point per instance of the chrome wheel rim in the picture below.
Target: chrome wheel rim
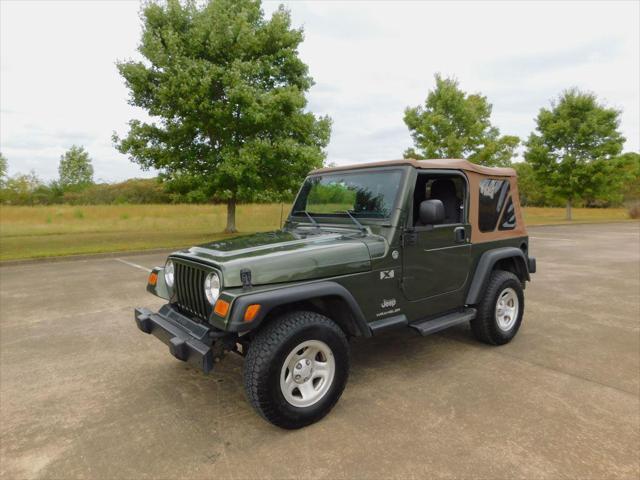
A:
(507, 308)
(307, 373)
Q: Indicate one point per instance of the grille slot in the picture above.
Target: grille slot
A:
(189, 283)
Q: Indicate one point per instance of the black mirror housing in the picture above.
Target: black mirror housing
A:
(431, 212)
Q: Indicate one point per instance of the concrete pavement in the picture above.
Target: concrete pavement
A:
(84, 394)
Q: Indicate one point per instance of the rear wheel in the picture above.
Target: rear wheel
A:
(296, 369)
(500, 312)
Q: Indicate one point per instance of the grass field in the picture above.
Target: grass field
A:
(556, 216)
(32, 232)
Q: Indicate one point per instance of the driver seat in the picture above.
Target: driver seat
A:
(445, 190)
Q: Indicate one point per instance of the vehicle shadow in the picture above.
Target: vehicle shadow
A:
(220, 398)
(405, 342)
(391, 352)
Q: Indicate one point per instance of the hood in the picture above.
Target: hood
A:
(287, 256)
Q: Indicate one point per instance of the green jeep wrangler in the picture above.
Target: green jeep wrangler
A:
(366, 249)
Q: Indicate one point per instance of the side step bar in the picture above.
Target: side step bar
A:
(388, 323)
(433, 325)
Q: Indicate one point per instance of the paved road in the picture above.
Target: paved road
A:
(84, 394)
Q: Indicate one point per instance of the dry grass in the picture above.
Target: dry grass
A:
(550, 216)
(32, 232)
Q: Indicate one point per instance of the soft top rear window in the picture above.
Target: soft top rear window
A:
(493, 195)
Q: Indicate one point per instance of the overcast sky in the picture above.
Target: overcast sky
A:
(370, 59)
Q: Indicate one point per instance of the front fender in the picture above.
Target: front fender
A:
(160, 289)
(270, 299)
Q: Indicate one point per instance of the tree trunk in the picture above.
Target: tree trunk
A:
(569, 210)
(231, 216)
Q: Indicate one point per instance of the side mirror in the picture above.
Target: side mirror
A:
(431, 212)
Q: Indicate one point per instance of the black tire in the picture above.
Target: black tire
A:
(485, 326)
(267, 354)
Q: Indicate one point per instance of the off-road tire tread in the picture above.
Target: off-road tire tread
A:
(264, 348)
(483, 326)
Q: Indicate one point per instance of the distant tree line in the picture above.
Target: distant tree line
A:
(75, 185)
(621, 188)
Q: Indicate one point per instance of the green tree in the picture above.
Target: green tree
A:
(3, 170)
(226, 89)
(532, 191)
(453, 124)
(75, 169)
(572, 143)
(629, 166)
(623, 180)
(619, 181)
(20, 189)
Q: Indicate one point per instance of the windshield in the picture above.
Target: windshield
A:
(362, 194)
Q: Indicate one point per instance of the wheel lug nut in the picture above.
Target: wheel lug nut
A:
(299, 366)
(308, 362)
(298, 377)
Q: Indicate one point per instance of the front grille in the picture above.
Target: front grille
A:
(190, 297)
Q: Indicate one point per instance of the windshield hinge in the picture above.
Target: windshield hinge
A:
(245, 277)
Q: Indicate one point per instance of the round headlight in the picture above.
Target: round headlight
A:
(168, 273)
(212, 287)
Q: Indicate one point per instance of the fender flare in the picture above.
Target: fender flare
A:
(485, 266)
(271, 299)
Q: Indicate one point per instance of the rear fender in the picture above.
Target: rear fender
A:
(509, 256)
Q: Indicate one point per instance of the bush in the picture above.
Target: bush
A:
(29, 190)
(634, 209)
(130, 191)
(25, 190)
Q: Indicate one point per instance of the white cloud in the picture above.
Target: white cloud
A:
(59, 85)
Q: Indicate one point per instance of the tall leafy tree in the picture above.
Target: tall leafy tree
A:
(572, 143)
(75, 168)
(226, 90)
(454, 124)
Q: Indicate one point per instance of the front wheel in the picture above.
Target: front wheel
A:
(500, 312)
(296, 369)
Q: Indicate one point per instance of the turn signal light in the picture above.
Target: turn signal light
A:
(153, 278)
(222, 308)
(251, 312)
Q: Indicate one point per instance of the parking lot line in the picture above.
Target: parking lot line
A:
(554, 238)
(134, 265)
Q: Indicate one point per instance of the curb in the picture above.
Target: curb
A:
(578, 223)
(84, 256)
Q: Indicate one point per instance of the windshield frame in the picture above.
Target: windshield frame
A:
(341, 217)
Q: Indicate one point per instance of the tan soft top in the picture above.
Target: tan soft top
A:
(449, 163)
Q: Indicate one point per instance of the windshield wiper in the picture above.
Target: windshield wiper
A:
(355, 220)
(313, 220)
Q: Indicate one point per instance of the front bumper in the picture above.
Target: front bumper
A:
(187, 340)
